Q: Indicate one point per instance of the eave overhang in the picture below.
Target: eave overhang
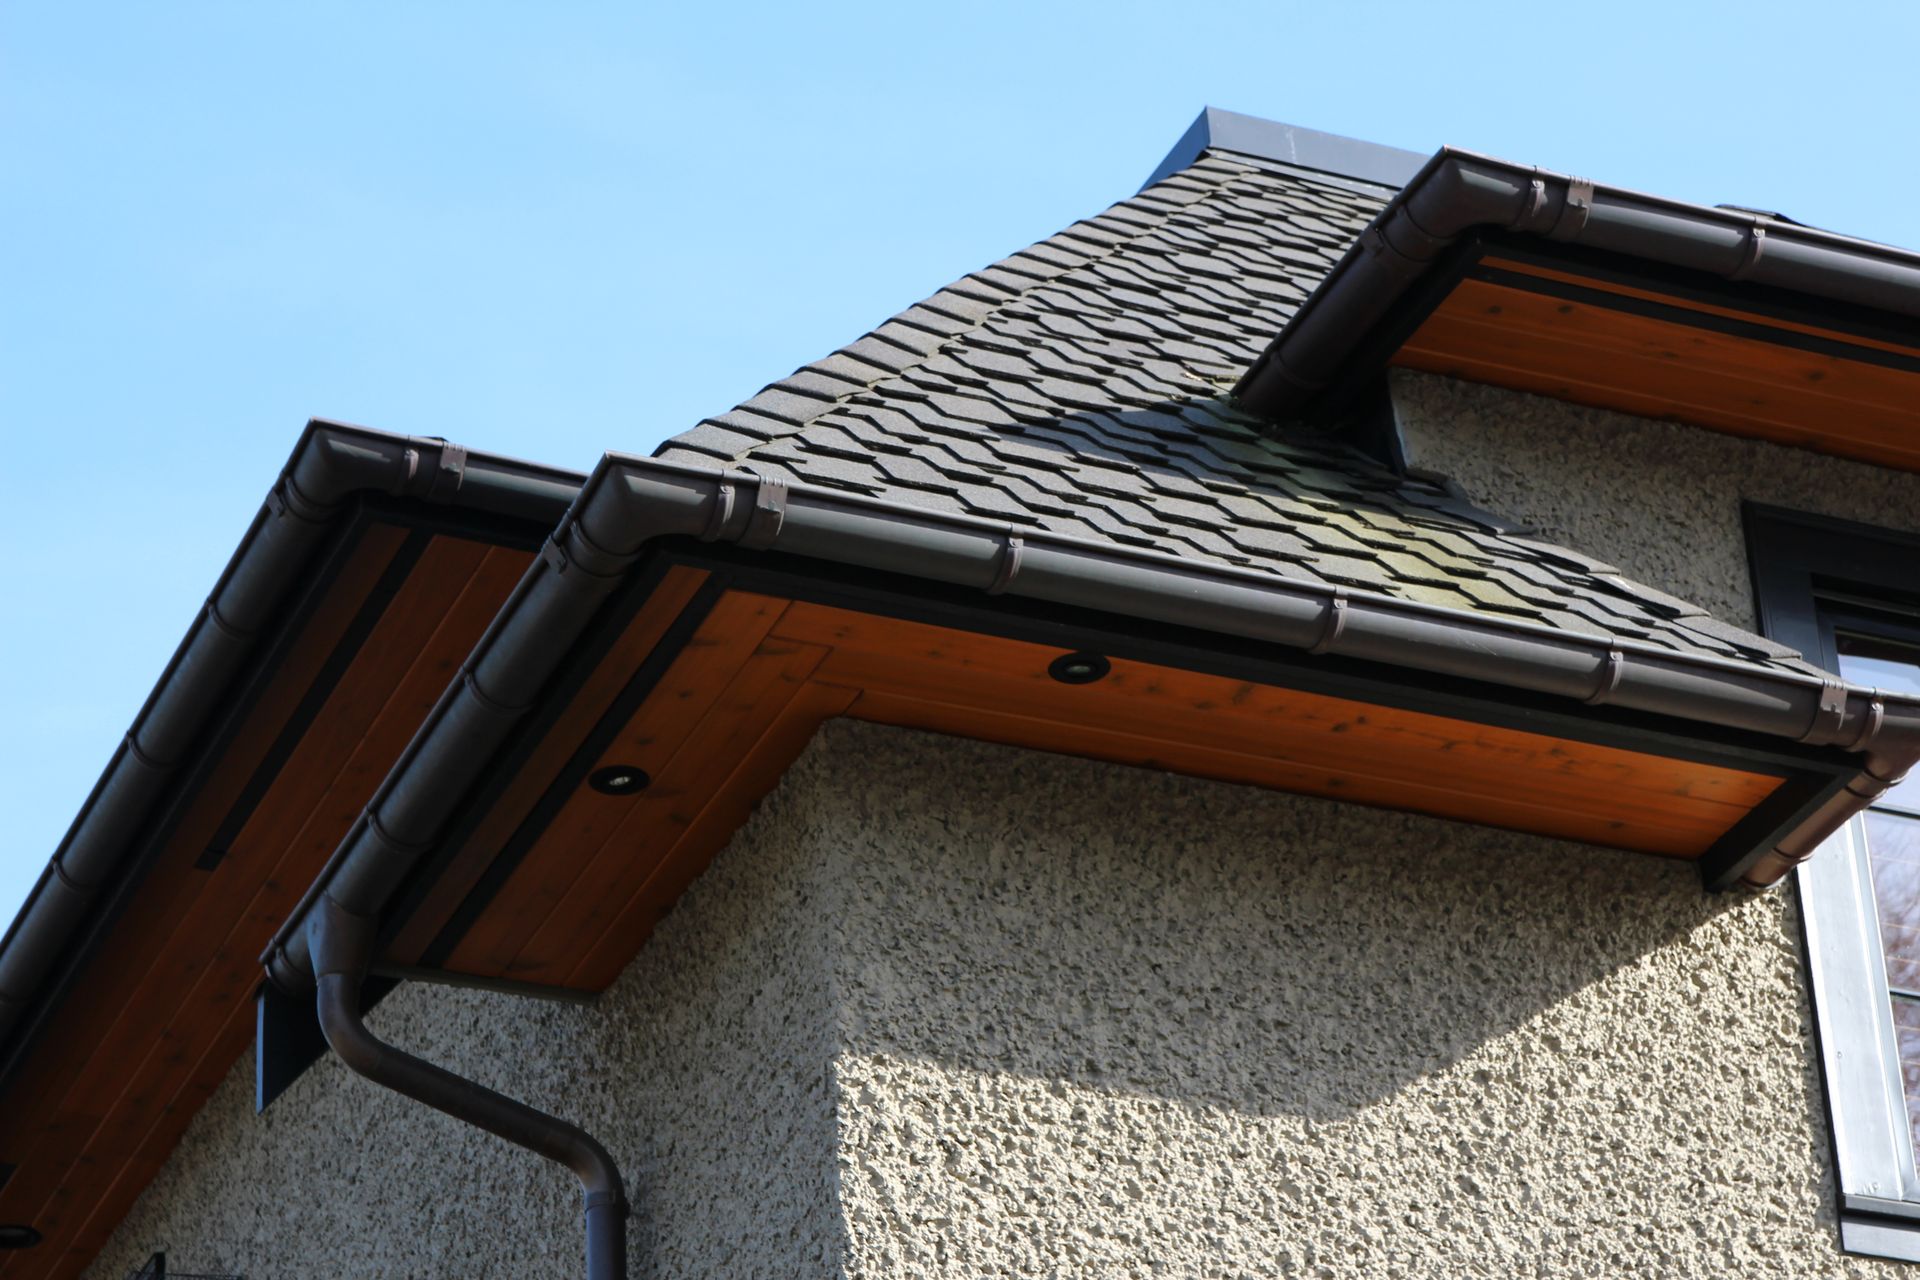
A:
(126, 980)
(830, 599)
(1739, 321)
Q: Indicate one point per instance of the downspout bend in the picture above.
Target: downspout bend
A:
(341, 945)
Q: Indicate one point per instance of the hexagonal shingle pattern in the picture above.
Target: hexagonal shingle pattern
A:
(1081, 386)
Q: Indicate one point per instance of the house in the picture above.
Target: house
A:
(1343, 717)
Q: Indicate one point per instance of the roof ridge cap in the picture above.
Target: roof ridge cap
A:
(1214, 129)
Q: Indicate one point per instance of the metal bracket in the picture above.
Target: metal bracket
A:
(768, 515)
(1333, 625)
(1750, 256)
(1830, 714)
(1009, 565)
(1574, 213)
(1536, 201)
(1609, 677)
(722, 512)
(449, 474)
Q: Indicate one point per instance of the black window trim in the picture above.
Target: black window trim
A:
(1811, 575)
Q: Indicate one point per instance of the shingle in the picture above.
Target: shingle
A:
(786, 406)
(1079, 386)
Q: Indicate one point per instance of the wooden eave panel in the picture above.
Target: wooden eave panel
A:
(161, 1014)
(523, 790)
(740, 702)
(1557, 334)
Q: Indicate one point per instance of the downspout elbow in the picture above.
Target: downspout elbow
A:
(341, 944)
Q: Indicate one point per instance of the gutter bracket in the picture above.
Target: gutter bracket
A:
(1009, 565)
(1610, 672)
(1530, 208)
(1751, 253)
(448, 475)
(1574, 213)
(769, 514)
(722, 514)
(1333, 625)
(1830, 714)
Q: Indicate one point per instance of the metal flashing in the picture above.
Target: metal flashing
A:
(1330, 153)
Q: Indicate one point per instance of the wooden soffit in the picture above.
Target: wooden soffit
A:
(1582, 327)
(711, 678)
(160, 1007)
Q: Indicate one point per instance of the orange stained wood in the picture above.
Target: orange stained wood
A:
(1591, 353)
(740, 703)
(162, 1014)
(549, 756)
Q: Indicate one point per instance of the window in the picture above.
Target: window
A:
(1848, 597)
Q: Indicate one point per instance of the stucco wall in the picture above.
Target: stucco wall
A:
(705, 1070)
(950, 1009)
(1657, 499)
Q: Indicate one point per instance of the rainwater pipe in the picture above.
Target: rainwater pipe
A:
(342, 945)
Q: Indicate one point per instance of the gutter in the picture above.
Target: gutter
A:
(331, 467)
(630, 502)
(1458, 193)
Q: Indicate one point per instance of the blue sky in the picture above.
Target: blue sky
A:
(551, 230)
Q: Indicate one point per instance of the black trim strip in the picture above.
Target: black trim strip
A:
(1731, 326)
(345, 650)
(1771, 821)
(249, 687)
(567, 780)
(139, 862)
(1018, 618)
(1701, 287)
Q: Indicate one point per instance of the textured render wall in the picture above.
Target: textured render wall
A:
(1116, 1023)
(1659, 500)
(705, 1069)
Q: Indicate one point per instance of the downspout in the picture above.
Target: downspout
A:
(342, 946)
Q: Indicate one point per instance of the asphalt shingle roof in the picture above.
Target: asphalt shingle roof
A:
(1081, 386)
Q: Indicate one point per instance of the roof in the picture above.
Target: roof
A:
(1084, 386)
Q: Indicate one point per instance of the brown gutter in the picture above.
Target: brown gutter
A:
(630, 502)
(1459, 193)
